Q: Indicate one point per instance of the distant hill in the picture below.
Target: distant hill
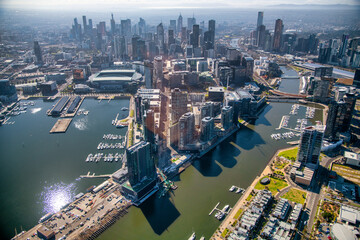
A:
(316, 6)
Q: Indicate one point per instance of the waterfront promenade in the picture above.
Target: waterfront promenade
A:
(241, 203)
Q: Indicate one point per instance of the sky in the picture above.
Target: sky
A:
(154, 4)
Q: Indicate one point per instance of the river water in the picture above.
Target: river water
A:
(40, 171)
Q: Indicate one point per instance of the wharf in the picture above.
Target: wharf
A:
(77, 108)
(61, 125)
(88, 175)
(215, 208)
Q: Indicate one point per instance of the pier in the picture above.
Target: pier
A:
(89, 175)
(215, 208)
(61, 125)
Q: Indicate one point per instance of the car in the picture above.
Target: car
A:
(329, 237)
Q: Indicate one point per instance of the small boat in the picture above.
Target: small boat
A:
(124, 109)
(232, 188)
(202, 238)
(192, 237)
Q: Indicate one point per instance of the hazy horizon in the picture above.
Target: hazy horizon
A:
(142, 5)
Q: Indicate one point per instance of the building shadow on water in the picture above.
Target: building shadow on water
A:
(262, 119)
(247, 138)
(159, 212)
(223, 154)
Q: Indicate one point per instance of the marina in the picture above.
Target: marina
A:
(220, 213)
(97, 157)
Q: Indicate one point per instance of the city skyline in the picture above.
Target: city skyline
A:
(160, 4)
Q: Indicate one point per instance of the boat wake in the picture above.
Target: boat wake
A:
(35, 110)
(81, 124)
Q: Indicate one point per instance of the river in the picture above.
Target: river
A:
(40, 171)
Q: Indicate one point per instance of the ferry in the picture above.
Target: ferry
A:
(192, 237)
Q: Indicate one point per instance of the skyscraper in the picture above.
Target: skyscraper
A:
(260, 19)
(149, 126)
(84, 24)
(227, 113)
(172, 25)
(278, 35)
(37, 52)
(261, 36)
(90, 26)
(158, 68)
(207, 129)
(171, 38)
(142, 27)
(191, 22)
(112, 24)
(310, 144)
(209, 36)
(178, 104)
(195, 36)
(186, 129)
(160, 35)
(339, 116)
(344, 44)
(126, 28)
(140, 162)
(180, 23)
(183, 34)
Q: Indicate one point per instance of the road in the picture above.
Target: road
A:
(315, 190)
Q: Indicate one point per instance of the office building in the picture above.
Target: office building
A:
(191, 22)
(339, 116)
(149, 126)
(160, 36)
(310, 144)
(260, 19)
(171, 37)
(207, 129)
(37, 52)
(158, 68)
(126, 28)
(7, 92)
(194, 39)
(140, 162)
(178, 104)
(227, 113)
(186, 130)
(172, 25)
(141, 173)
(278, 35)
(84, 24)
(179, 23)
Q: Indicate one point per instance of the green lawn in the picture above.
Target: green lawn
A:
(274, 186)
(295, 195)
(289, 154)
(238, 213)
(249, 197)
(225, 232)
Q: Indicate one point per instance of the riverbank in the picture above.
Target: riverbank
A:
(241, 203)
